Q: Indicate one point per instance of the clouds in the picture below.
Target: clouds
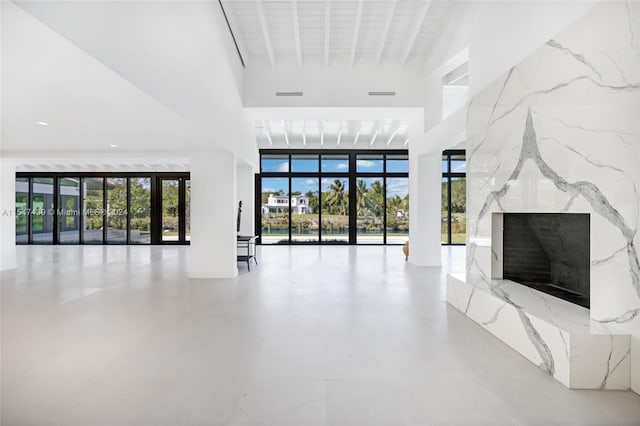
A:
(397, 186)
(283, 168)
(365, 163)
(342, 166)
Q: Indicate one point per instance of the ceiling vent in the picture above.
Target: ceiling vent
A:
(382, 93)
(288, 93)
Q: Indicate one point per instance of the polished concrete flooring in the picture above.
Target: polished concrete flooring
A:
(311, 336)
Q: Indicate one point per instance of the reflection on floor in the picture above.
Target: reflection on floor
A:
(312, 336)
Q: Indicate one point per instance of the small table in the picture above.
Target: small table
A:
(248, 243)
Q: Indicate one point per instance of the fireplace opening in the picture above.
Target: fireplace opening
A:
(548, 252)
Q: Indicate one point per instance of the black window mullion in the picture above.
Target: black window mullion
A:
(290, 209)
(353, 200)
(384, 199)
(105, 207)
(30, 212)
(81, 210)
(182, 209)
(56, 192)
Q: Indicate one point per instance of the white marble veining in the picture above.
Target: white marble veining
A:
(559, 133)
(557, 335)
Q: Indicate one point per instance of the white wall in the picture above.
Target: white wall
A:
(495, 36)
(336, 86)
(425, 172)
(213, 215)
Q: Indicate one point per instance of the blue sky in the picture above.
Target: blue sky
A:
(332, 165)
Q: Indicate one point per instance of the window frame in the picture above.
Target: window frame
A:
(351, 175)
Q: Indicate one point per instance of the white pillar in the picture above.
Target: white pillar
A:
(246, 194)
(213, 215)
(7, 214)
(425, 174)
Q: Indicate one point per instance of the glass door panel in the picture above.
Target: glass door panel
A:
(370, 208)
(275, 210)
(335, 210)
(397, 191)
(93, 209)
(445, 211)
(42, 210)
(170, 210)
(116, 210)
(69, 210)
(140, 210)
(458, 209)
(305, 220)
(22, 205)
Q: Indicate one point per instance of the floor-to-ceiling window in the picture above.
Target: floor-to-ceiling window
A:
(454, 197)
(333, 197)
(109, 208)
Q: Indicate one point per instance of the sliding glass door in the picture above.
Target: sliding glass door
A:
(109, 208)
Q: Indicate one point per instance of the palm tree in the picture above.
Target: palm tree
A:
(337, 197)
(361, 192)
(375, 198)
(394, 206)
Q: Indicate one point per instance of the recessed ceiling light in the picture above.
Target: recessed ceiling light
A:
(113, 145)
(42, 123)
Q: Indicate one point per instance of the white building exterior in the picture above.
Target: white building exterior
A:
(280, 204)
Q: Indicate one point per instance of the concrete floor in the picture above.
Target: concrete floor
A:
(311, 336)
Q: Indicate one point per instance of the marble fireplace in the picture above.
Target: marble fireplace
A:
(559, 134)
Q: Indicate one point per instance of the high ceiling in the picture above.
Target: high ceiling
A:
(327, 134)
(278, 32)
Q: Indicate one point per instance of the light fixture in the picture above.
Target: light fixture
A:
(113, 145)
(42, 123)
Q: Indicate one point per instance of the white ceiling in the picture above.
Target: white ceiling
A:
(147, 76)
(336, 31)
(332, 134)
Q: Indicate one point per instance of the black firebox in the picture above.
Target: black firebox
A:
(549, 252)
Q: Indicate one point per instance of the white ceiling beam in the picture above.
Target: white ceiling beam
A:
(296, 31)
(327, 31)
(284, 130)
(385, 31)
(304, 134)
(393, 135)
(339, 137)
(373, 139)
(356, 31)
(265, 31)
(413, 35)
(406, 142)
(266, 132)
(321, 133)
(355, 140)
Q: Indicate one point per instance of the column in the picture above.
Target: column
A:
(246, 194)
(425, 175)
(7, 214)
(213, 215)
